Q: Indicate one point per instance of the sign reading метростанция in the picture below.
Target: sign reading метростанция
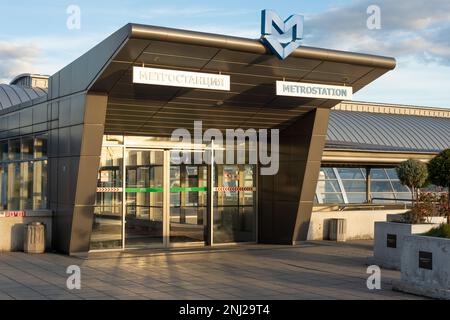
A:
(310, 90)
(176, 78)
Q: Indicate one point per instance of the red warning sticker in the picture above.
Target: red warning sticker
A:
(103, 190)
(224, 189)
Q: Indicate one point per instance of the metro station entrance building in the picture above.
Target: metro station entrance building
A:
(113, 182)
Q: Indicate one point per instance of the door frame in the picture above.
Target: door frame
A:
(166, 243)
(163, 244)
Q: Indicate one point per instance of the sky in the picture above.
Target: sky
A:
(34, 36)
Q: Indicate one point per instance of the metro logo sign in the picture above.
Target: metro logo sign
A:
(273, 28)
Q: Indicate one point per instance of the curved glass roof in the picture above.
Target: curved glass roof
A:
(387, 132)
(11, 95)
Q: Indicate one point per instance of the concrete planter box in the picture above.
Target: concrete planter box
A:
(425, 267)
(389, 239)
(400, 217)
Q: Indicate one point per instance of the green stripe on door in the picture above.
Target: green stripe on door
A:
(143, 190)
(199, 189)
(156, 190)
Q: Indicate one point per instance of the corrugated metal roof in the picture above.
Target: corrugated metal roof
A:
(11, 95)
(387, 132)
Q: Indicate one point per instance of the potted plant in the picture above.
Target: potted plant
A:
(389, 235)
(425, 258)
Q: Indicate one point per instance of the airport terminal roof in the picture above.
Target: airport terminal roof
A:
(12, 95)
(373, 131)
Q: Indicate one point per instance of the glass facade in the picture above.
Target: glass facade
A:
(108, 222)
(134, 169)
(385, 185)
(349, 186)
(24, 173)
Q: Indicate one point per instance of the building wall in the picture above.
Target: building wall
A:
(286, 199)
(74, 125)
(74, 159)
(12, 230)
(360, 223)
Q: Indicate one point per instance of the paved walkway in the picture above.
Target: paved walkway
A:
(318, 270)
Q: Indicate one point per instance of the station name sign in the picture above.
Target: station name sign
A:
(184, 79)
(310, 90)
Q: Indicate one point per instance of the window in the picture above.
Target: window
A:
(354, 185)
(351, 173)
(23, 174)
(40, 185)
(4, 151)
(354, 182)
(348, 185)
(386, 188)
(378, 174)
(14, 150)
(328, 188)
(26, 185)
(14, 186)
(3, 187)
(27, 148)
(381, 186)
(40, 146)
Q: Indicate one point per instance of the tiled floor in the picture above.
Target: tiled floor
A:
(318, 270)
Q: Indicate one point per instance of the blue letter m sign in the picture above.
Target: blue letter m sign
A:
(273, 27)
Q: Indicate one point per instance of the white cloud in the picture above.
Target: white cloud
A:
(408, 29)
(16, 58)
(42, 55)
(411, 83)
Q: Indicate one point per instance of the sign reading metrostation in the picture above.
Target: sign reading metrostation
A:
(185, 79)
(310, 90)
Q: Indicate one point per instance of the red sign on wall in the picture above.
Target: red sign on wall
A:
(12, 214)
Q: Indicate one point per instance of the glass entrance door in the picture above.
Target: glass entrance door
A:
(144, 198)
(235, 213)
(148, 198)
(188, 203)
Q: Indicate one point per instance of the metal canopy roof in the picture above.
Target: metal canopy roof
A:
(251, 103)
(387, 132)
(11, 95)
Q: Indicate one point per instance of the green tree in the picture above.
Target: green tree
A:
(413, 174)
(439, 170)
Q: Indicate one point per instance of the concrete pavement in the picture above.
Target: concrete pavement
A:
(314, 270)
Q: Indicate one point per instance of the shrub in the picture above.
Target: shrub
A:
(444, 206)
(413, 174)
(428, 205)
(443, 231)
(439, 169)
